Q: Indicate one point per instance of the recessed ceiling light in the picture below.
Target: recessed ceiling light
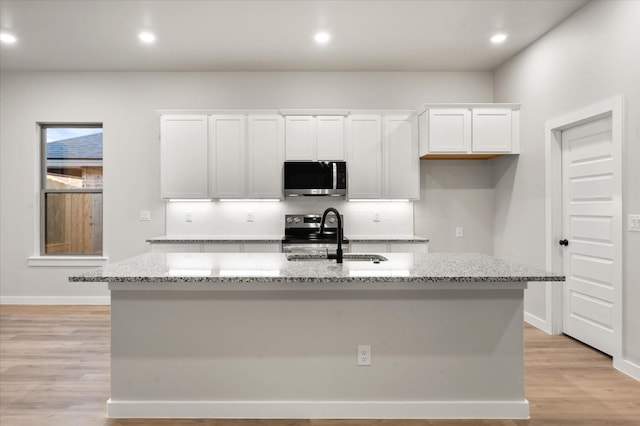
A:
(322, 37)
(498, 38)
(7, 38)
(147, 37)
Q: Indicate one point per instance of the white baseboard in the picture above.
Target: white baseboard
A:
(629, 368)
(55, 300)
(538, 322)
(320, 409)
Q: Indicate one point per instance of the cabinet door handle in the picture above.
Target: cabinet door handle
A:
(564, 242)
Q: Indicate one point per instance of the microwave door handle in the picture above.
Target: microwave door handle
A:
(335, 175)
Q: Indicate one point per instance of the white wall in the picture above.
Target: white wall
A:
(126, 104)
(592, 56)
(456, 193)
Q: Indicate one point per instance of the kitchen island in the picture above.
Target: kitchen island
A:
(254, 335)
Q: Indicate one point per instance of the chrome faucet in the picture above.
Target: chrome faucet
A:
(338, 255)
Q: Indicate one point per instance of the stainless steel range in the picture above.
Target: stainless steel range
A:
(302, 234)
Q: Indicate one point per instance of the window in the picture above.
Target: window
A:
(71, 189)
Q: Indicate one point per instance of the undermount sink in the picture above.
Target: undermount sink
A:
(375, 258)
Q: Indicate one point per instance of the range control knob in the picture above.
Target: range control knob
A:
(332, 219)
(289, 220)
(296, 220)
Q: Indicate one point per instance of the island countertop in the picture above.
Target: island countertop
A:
(275, 268)
(206, 239)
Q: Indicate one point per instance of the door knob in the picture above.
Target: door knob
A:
(563, 242)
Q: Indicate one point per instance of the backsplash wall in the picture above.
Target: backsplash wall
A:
(267, 217)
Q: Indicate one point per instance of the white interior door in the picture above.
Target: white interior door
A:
(589, 220)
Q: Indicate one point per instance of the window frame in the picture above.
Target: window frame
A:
(44, 190)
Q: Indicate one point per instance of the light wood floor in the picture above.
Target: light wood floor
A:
(54, 371)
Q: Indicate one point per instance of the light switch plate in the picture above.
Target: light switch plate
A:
(634, 222)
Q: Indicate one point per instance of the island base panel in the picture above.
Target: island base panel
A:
(293, 354)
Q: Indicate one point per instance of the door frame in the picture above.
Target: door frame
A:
(614, 108)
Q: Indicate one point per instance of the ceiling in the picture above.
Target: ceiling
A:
(265, 35)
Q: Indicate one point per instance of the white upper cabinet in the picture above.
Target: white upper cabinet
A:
(382, 159)
(364, 160)
(469, 131)
(247, 153)
(314, 138)
(330, 138)
(227, 156)
(300, 138)
(449, 130)
(183, 153)
(265, 156)
(222, 156)
(402, 163)
(492, 130)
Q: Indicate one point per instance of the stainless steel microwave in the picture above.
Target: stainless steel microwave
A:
(315, 178)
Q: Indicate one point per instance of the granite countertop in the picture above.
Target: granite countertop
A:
(386, 239)
(275, 268)
(203, 239)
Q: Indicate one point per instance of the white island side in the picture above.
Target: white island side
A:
(207, 335)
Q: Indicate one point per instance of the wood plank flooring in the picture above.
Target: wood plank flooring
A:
(54, 371)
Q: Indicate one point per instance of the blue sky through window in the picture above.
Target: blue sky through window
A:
(60, 133)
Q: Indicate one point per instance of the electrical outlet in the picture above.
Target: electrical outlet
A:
(376, 217)
(188, 217)
(145, 215)
(364, 355)
(249, 217)
(634, 222)
(459, 232)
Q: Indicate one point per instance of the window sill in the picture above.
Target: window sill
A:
(82, 261)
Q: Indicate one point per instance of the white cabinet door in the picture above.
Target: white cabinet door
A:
(183, 156)
(364, 159)
(266, 156)
(491, 130)
(300, 138)
(329, 138)
(402, 163)
(227, 156)
(449, 130)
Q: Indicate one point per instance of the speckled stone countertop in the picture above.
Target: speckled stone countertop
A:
(275, 268)
(386, 239)
(204, 239)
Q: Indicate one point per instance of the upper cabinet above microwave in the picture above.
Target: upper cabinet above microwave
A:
(469, 131)
(314, 138)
